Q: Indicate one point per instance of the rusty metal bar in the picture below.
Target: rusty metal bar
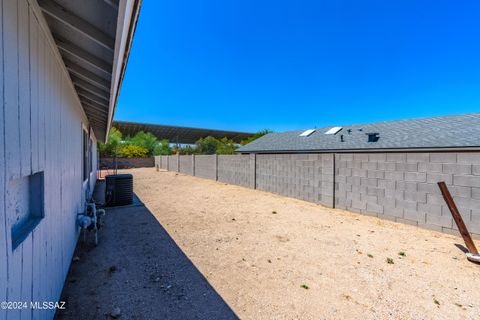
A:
(458, 218)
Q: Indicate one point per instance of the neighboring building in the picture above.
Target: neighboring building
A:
(386, 169)
(62, 67)
(448, 133)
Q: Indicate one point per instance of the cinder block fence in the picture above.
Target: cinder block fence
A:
(126, 163)
(395, 186)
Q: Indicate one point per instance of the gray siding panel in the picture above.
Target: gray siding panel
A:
(3, 227)
(43, 133)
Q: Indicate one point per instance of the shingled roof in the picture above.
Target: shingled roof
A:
(452, 132)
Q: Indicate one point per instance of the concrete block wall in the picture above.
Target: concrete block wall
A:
(158, 161)
(206, 166)
(163, 162)
(235, 169)
(186, 164)
(403, 187)
(304, 176)
(394, 186)
(172, 162)
(127, 163)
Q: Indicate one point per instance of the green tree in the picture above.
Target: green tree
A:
(211, 145)
(162, 148)
(226, 146)
(257, 135)
(145, 140)
(207, 145)
(188, 149)
(110, 148)
(132, 151)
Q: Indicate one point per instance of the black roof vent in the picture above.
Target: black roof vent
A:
(373, 136)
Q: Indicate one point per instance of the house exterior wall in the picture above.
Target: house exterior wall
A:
(395, 186)
(42, 122)
(94, 164)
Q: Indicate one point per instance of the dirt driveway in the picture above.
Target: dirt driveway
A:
(272, 257)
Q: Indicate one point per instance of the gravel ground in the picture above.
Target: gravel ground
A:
(229, 251)
(137, 272)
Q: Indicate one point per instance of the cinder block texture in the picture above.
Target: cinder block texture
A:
(172, 163)
(161, 162)
(165, 162)
(304, 176)
(235, 169)
(186, 164)
(205, 166)
(127, 163)
(403, 186)
(395, 186)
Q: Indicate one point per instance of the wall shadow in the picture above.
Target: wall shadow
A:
(138, 268)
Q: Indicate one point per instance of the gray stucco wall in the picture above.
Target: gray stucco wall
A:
(186, 164)
(395, 186)
(403, 187)
(235, 170)
(206, 166)
(304, 176)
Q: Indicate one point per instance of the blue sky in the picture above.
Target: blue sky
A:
(282, 65)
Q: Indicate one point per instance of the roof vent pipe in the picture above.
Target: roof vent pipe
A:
(373, 136)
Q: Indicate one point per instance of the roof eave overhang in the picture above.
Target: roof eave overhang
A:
(127, 22)
(92, 40)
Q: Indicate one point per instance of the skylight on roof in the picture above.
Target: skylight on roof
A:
(307, 133)
(334, 130)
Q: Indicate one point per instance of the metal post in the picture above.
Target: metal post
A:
(458, 218)
(216, 167)
(193, 164)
